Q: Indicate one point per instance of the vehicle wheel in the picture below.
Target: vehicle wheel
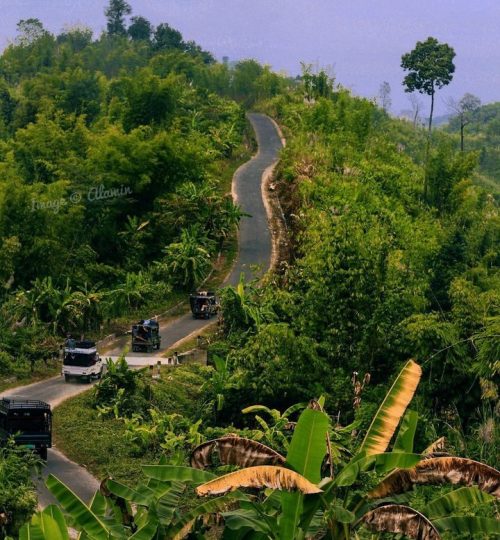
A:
(99, 375)
(42, 452)
(66, 378)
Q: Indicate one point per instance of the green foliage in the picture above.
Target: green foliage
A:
(18, 498)
(113, 158)
(336, 511)
(376, 276)
(121, 391)
(102, 442)
(482, 135)
(430, 66)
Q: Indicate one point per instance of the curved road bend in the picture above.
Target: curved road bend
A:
(254, 238)
(254, 249)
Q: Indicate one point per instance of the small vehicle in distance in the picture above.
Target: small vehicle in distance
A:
(204, 304)
(81, 360)
(29, 421)
(146, 336)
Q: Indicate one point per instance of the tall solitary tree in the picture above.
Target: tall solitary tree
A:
(115, 14)
(430, 67)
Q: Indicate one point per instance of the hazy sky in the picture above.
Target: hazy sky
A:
(362, 40)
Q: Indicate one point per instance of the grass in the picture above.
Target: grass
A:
(101, 445)
(41, 372)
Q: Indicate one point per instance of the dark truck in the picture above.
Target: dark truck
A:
(204, 304)
(29, 421)
(146, 335)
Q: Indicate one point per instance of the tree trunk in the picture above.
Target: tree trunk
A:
(428, 148)
(462, 125)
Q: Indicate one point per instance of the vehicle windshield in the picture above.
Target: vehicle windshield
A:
(79, 359)
(28, 421)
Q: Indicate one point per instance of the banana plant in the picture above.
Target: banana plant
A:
(341, 506)
(295, 502)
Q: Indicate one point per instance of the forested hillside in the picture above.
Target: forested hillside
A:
(482, 134)
(377, 275)
(116, 156)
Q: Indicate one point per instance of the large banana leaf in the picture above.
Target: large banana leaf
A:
(235, 451)
(143, 495)
(46, 525)
(441, 470)
(211, 506)
(31, 532)
(266, 476)
(174, 473)
(305, 456)
(248, 520)
(146, 532)
(396, 518)
(98, 504)
(393, 407)
(471, 525)
(54, 513)
(406, 433)
(308, 446)
(448, 504)
(380, 463)
(81, 514)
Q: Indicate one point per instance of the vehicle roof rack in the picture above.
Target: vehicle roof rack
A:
(22, 403)
(84, 344)
(147, 322)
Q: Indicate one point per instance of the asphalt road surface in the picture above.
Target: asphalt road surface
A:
(254, 239)
(253, 260)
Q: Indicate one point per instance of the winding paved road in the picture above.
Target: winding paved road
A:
(253, 260)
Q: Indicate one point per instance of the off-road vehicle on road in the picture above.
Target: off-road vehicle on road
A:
(29, 421)
(204, 304)
(81, 360)
(146, 336)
